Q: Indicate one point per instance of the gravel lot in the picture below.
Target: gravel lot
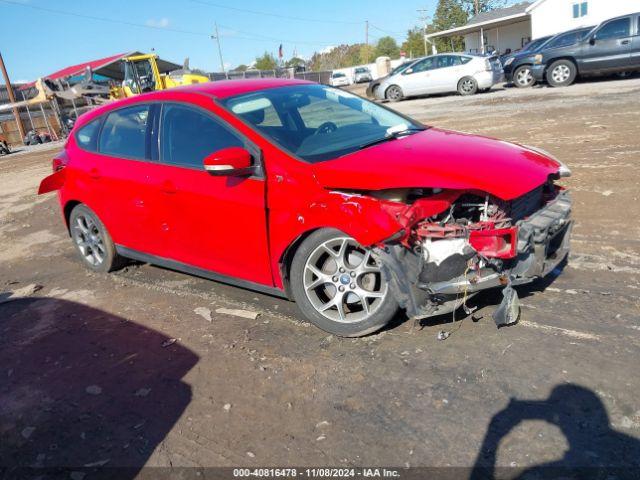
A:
(90, 373)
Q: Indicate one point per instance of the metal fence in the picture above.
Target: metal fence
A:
(323, 77)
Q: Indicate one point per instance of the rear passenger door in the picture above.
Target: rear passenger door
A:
(446, 74)
(609, 47)
(119, 177)
(214, 223)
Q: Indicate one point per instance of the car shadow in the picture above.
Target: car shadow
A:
(595, 450)
(84, 390)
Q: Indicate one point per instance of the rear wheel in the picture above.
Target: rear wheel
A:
(467, 86)
(338, 286)
(92, 240)
(522, 77)
(394, 93)
(561, 73)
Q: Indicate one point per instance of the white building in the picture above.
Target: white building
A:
(511, 27)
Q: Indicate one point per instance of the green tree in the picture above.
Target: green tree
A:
(241, 68)
(474, 7)
(387, 47)
(413, 46)
(367, 53)
(266, 62)
(449, 14)
(295, 62)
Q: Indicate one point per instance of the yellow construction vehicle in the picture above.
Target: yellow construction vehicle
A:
(141, 74)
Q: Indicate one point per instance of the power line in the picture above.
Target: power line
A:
(101, 19)
(276, 15)
(386, 31)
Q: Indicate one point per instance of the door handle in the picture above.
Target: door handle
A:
(625, 42)
(94, 173)
(168, 187)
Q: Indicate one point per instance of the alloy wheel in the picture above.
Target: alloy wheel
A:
(561, 74)
(524, 78)
(467, 85)
(394, 93)
(343, 282)
(89, 240)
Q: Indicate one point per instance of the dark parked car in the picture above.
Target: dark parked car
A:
(612, 47)
(517, 68)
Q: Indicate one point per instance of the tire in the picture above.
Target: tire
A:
(561, 73)
(522, 77)
(92, 241)
(467, 86)
(343, 292)
(394, 93)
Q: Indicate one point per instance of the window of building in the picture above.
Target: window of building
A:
(124, 133)
(188, 136)
(580, 9)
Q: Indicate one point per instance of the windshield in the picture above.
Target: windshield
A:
(317, 123)
(568, 38)
(531, 46)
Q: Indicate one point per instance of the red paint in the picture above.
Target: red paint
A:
(495, 243)
(242, 226)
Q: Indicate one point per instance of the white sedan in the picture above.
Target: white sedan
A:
(339, 79)
(447, 72)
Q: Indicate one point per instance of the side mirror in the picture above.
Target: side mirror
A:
(408, 71)
(592, 40)
(232, 161)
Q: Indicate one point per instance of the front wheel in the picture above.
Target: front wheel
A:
(522, 77)
(394, 93)
(339, 287)
(467, 86)
(561, 73)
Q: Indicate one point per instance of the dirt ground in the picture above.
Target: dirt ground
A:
(89, 375)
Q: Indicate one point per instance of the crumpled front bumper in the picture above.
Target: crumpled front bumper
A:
(543, 243)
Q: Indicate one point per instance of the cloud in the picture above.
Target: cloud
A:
(160, 23)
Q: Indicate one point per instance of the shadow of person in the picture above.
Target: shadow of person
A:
(81, 389)
(595, 450)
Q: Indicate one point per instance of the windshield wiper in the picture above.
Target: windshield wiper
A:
(394, 135)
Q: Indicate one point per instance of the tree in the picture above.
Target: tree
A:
(367, 53)
(413, 46)
(474, 7)
(387, 47)
(241, 68)
(449, 14)
(266, 62)
(295, 62)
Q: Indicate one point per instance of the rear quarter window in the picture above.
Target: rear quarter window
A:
(87, 136)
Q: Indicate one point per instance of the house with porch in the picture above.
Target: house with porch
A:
(508, 29)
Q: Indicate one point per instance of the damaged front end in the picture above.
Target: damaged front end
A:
(453, 244)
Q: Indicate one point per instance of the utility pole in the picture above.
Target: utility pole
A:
(216, 37)
(366, 41)
(424, 18)
(12, 98)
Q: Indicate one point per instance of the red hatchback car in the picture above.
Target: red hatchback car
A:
(311, 193)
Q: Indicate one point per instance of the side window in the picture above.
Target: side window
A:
(615, 29)
(465, 60)
(188, 136)
(424, 65)
(448, 61)
(87, 136)
(124, 133)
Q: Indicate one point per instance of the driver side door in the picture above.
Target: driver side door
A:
(416, 80)
(609, 47)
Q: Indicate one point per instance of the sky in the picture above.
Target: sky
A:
(36, 40)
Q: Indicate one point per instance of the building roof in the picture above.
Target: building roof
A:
(107, 66)
(494, 18)
(499, 13)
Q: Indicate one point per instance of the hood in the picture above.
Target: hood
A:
(440, 159)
